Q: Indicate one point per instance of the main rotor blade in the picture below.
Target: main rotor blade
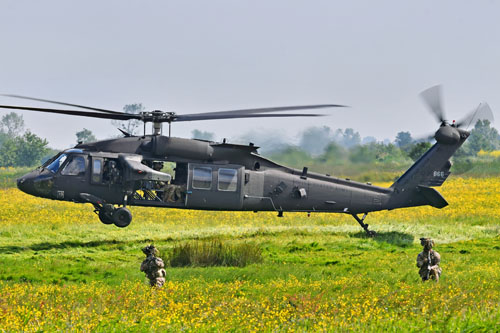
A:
(482, 112)
(61, 103)
(433, 100)
(266, 110)
(120, 116)
(201, 116)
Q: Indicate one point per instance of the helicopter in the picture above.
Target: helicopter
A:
(127, 171)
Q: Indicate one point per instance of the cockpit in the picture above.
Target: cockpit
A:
(41, 182)
(74, 167)
(108, 176)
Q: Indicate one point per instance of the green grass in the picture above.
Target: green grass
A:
(310, 251)
(306, 254)
(8, 176)
(44, 244)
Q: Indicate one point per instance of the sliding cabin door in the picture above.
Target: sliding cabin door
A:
(215, 187)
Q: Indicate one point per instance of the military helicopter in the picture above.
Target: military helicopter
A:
(117, 173)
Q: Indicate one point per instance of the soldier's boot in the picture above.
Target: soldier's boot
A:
(434, 275)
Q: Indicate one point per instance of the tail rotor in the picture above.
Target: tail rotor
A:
(432, 97)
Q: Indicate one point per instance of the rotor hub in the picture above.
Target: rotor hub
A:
(157, 116)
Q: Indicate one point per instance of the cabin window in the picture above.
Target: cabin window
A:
(96, 170)
(228, 180)
(202, 178)
(75, 167)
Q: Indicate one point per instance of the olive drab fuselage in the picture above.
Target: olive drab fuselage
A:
(222, 176)
(258, 183)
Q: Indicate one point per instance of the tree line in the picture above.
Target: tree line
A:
(21, 147)
(322, 143)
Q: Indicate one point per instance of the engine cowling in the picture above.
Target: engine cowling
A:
(447, 135)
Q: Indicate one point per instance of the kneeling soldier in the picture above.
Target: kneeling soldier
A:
(428, 261)
(153, 266)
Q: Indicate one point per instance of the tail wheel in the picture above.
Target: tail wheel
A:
(122, 217)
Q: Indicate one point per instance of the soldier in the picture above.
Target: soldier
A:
(174, 193)
(428, 261)
(153, 267)
(114, 173)
(111, 174)
(158, 166)
(171, 192)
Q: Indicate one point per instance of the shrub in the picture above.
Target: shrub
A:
(214, 253)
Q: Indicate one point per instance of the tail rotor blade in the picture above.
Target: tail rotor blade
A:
(482, 112)
(433, 100)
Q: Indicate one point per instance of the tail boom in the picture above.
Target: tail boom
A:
(413, 188)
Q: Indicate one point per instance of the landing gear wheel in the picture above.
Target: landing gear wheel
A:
(105, 217)
(122, 217)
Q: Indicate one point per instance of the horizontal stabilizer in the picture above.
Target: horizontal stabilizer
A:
(434, 198)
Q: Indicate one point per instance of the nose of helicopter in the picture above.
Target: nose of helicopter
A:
(35, 183)
(27, 183)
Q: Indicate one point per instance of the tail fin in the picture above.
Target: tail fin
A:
(431, 169)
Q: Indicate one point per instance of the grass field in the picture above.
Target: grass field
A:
(61, 269)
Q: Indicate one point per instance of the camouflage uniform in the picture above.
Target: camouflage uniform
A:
(153, 266)
(174, 193)
(428, 270)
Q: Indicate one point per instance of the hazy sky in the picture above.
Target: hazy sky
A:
(198, 56)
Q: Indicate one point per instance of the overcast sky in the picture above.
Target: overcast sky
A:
(200, 56)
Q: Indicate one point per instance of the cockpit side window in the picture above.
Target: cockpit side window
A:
(75, 167)
(56, 164)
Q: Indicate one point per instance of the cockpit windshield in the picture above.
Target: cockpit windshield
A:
(56, 164)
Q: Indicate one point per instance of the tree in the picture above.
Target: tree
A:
(31, 149)
(483, 137)
(130, 126)
(85, 135)
(349, 138)
(292, 156)
(202, 135)
(315, 139)
(334, 153)
(8, 153)
(418, 150)
(368, 139)
(3, 138)
(12, 124)
(26, 150)
(377, 152)
(404, 140)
